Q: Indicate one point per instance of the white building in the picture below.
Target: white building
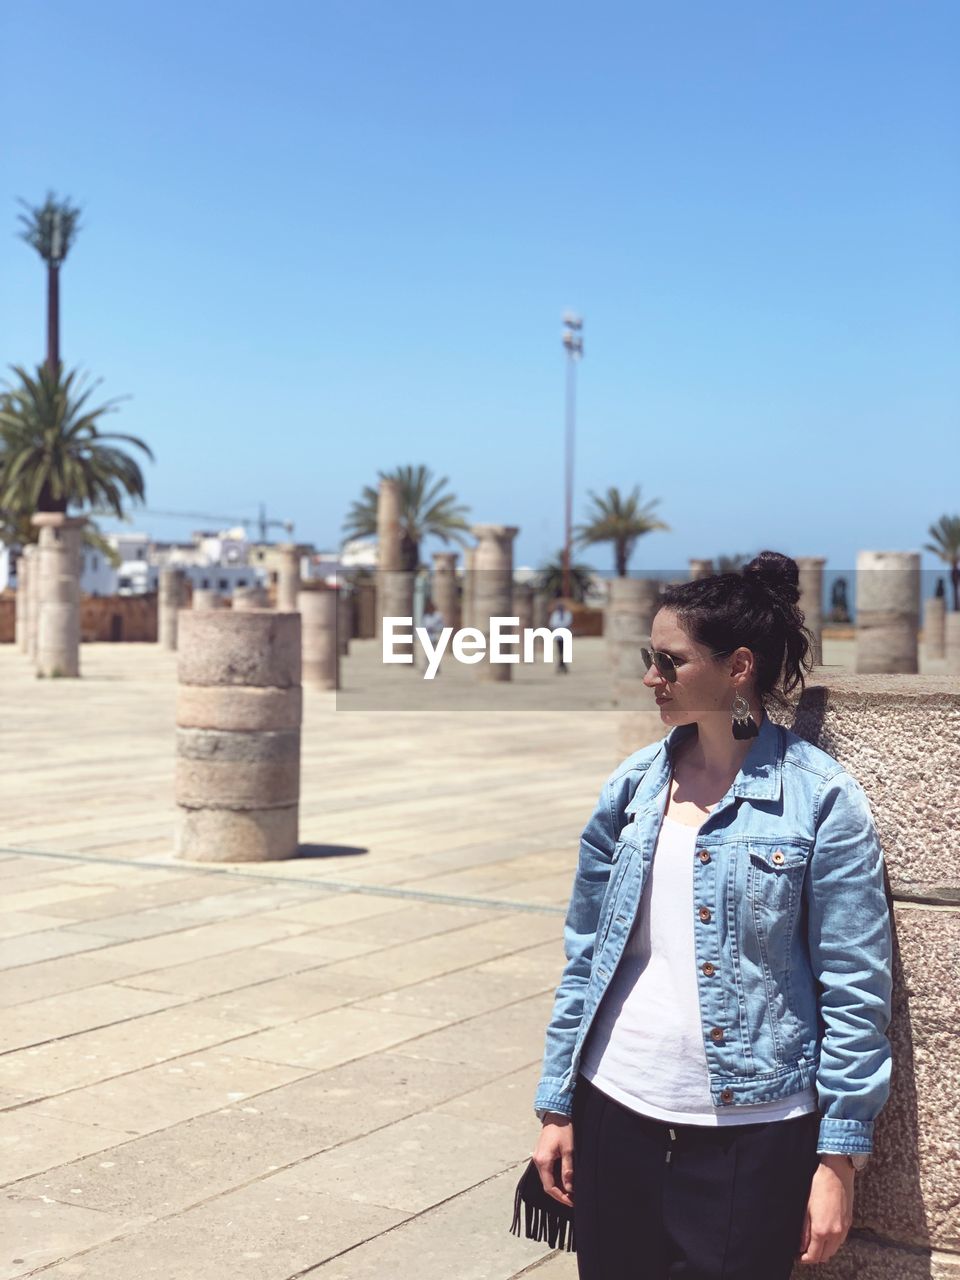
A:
(217, 561)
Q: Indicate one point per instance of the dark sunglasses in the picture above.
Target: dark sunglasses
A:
(666, 664)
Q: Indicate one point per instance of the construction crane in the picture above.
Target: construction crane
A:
(261, 521)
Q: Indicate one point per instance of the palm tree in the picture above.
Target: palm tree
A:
(550, 578)
(620, 520)
(51, 229)
(945, 535)
(732, 564)
(52, 454)
(425, 511)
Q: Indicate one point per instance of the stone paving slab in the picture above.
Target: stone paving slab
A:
(155, 1097)
(466, 1236)
(258, 1232)
(214, 975)
(40, 1231)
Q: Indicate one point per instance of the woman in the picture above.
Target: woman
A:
(717, 1053)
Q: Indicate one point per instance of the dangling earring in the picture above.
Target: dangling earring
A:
(744, 725)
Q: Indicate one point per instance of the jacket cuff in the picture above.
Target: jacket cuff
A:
(550, 1097)
(845, 1137)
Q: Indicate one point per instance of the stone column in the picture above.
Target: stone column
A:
(20, 617)
(701, 569)
(58, 620)
(288, 578)
(238, 736)
(628, 617)
(888, 611)
(396, 594)
(951, 632)
(321, 659)
(444, 589)
(170, 594)
(466, 609)
(344, 620)
(523, 603)
(389, 553)
(811, 600)
(247, 598)
(493, 590)
(205, 599)
(934, 625)
(366, 610)
(33, 600)
(897, 734)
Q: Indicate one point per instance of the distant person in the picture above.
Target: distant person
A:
(560, 616)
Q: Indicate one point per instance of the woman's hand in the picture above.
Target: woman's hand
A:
(829, 1209)
(556, 1144)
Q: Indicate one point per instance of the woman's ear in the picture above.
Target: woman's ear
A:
(741, 662)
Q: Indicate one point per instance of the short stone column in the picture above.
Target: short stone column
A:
(523, 603)
(934, 628)
(444, 588)
(701, 569)
(389, 552)
(344, 620)
(58, 620)
(469, 584)
(951, 633)
(897, 735)
(631, 606)
(246, 598)
(493, 591)
(238, 736)
(366, 610)
(888, 611)
(205, 599)
(811, 601)
(170, 597)
(288, 577)
(33, 599)
(321, 658)
(20, 616)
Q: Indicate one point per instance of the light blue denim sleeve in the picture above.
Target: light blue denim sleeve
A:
(594, 862)
(851, 951)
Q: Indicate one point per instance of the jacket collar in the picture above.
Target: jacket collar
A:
(760, 776)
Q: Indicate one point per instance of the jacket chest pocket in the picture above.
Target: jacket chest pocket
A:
(774, 884)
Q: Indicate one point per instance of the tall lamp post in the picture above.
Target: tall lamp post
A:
(573, 345)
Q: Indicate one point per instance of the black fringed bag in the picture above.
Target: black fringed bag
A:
(545, 1218)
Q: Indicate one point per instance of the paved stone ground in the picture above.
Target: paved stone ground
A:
(323, 1067)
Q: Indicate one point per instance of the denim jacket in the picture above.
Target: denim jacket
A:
(791, 924)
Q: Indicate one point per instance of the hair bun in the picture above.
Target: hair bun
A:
(777, 573)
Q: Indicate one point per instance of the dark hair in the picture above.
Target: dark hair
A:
(756, 609)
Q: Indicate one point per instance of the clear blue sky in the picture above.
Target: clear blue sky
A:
(322, 238)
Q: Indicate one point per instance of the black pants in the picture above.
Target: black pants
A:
(728, 1204)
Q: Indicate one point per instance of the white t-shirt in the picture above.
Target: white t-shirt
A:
(645, 1047)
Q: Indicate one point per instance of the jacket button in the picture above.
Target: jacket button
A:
(716, 1033)
(778, 857)
(703, 855)
(704, 914)
(726, 1095)
(708, 969)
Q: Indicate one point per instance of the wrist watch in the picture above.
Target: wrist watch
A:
(859, 1161)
